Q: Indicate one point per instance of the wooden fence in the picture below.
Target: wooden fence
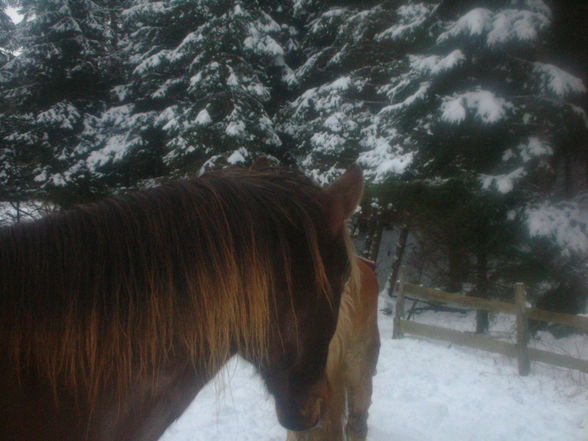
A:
(520, 350)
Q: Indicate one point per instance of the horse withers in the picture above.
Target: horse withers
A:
(115, 314)
(353, 355)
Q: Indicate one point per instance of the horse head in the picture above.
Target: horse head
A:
(304, 324)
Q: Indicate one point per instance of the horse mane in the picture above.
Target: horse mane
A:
(95, 296)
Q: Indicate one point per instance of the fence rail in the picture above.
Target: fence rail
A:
(520, 350)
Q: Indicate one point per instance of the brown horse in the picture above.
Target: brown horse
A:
(114, 315)
(353, 354)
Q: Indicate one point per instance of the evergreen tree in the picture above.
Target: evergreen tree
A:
(456, 96)
(482, 107)
(56, 86)
(328, 124)
(7, 29)
(200, 88)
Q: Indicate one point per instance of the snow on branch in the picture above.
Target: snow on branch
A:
(532, 148)
(410, 19)
(558, 82)
(516, 25)
(499, 28)
(436, 64)
(63, 115)
(502, 183)
(382, 160)
(474, 22)
(238, 156)
(144, 9)
(482, 104)
(419, 94)
(566, 223)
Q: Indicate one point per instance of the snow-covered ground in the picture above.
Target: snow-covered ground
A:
(424, 391)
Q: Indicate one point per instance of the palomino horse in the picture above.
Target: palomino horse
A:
(114, 315)
(353, 354)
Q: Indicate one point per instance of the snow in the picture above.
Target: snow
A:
(342, 83)
(419, 94)
(326, 98)
(235, 128)
(533, 148)
(203, 118)
(163, 90)
(114, 148)
(260, 91)
(473, 23)
(232, 80)
(410, 18)
(423, 391)
(453, 110)
(323, 22)
(153, 62)
(565, 222)
(259, 40)
(168, 119)
(383, 160)
(436, 64)
(538, 6)
(486, 106)
(238, 156)
(63, 115)
(557, 81)
(335, 12)
(190, 39)
(512, 24)
(13, 14)
(500, 28)
(327, 142)
(338, 122)
(503, 183)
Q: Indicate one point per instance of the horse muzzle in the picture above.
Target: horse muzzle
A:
(301, 418)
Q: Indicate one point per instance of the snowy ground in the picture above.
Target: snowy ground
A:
(424, 391)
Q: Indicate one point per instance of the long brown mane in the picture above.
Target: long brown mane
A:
(94, 296)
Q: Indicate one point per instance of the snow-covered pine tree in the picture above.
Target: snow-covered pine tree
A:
(7, 28)
(55, 87)
(482, 105)
(7, 46)
(326, 124)
(199, 92)
(449, 94)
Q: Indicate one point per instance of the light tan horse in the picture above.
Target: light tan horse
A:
(353, 354)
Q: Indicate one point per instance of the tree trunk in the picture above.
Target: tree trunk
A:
(398, 256)
(482, 319)
(369, 226)
(17, 212)
(372, 232)
(456, 268)
(376, 240)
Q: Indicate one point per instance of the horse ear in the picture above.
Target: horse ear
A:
(260, 163)
(343, 197)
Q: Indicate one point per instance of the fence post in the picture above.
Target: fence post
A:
(399, 309)
(522, 329)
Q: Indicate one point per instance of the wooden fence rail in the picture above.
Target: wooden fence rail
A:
(520, 350)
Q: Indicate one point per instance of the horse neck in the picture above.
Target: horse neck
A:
(151, 405)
